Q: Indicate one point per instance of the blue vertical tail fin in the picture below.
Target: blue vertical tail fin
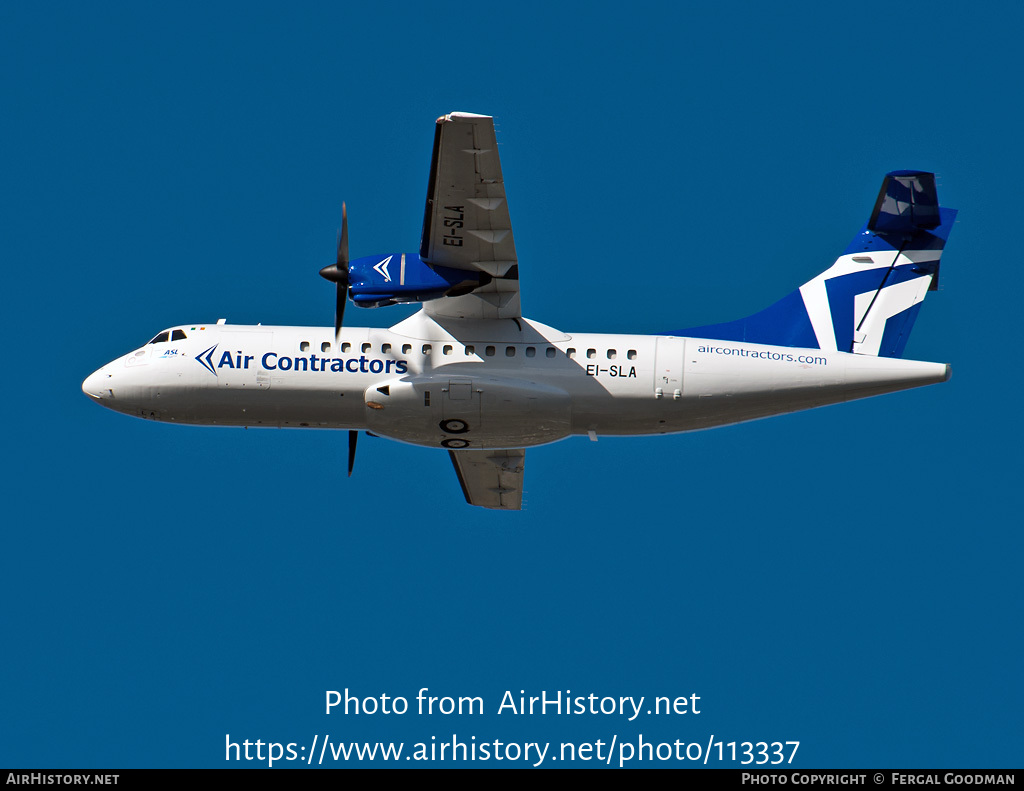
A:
(867, 301)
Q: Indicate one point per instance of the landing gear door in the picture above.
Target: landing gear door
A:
(461, 411)
(668, 367)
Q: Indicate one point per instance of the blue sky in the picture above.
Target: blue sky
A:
(847, 577)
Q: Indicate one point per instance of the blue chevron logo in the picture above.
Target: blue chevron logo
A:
(205, 359)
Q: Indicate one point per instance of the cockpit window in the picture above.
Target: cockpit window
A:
(161, 338)
(178, 335)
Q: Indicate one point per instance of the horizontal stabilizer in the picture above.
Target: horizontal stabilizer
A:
(907, 202)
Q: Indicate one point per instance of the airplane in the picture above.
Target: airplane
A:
(468, 373)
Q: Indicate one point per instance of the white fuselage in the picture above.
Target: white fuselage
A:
(470, 384)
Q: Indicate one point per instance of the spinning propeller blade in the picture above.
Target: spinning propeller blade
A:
(352, 437)
(337, 273)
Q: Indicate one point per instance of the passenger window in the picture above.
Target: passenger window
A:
(510, 351)
(385, 348)
(591, 353)
(304, 346)
(489, 351)
(346, 347)
(551, 351)
(631, 354)
(426, 348)
(161, 338)
(325, 346)
(446, 350)
(177, 335)
(406, 348)
(365, 347)
(611, 354)
(531, 351)
(470, 350)
(571, 353)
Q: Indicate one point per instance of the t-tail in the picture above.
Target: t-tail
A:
(866, 303)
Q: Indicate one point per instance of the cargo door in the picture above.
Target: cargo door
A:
(237, 359)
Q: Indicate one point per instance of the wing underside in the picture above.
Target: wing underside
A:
(491, 478)
(466, 222)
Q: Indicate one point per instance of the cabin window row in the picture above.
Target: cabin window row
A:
(447, 349)
(611, 354)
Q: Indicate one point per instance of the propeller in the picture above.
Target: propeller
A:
(352, 437)
(337, 273)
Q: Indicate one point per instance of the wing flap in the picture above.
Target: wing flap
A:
(491, 478)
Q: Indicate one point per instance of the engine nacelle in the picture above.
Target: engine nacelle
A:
(474, 412)
(379, 280)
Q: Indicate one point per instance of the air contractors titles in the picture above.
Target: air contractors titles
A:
(272, 361)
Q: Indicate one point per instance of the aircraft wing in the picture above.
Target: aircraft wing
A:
(466, 223)
(491, 478)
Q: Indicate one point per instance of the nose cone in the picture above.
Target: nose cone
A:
(97, 385)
